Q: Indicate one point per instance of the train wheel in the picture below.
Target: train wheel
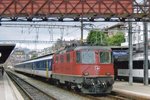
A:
(77, 89)
(56, 82)
(68, 85)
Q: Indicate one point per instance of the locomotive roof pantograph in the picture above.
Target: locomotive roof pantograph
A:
(76, 48)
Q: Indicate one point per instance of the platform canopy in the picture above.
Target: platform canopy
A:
(19, 10)
(5, 51)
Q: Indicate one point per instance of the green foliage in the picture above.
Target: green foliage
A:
(96, 37)
(34, 56)
(116, 39)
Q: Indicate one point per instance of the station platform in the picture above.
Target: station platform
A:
(7, 90)
(136, 91)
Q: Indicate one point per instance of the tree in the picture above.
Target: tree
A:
(116, 39)
(96, 37)
(34, 56)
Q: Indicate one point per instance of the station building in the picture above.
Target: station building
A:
(137, 40)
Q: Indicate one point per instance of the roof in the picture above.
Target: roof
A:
(71, 48)
(93, 47)
(5, 51)
(118, 25)
(37, 59)
(119, 47)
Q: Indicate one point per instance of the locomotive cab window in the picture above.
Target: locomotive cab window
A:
(56, 59)
(78, 58)
(61, 58)
(105, 57)
(68, 58)
(86, 57)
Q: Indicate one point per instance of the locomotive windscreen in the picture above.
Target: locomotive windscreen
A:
(85, 57)
(89, 57)
(105, 57)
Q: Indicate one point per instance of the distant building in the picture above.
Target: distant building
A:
(137, 39)
(17, 56)
(112, 30)
(32, 54)
(62, 44)
(137, 36)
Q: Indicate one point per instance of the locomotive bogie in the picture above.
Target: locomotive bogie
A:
(87, 85)
(97, 85)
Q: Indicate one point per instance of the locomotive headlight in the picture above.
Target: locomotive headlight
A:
(85, 73)
(107, 74)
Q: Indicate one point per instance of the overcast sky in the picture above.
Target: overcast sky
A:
(24, 33)
(19, 33)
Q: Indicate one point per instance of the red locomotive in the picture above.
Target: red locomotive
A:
(85, 68)
(88, 69)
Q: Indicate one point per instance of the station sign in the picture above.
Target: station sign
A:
(120, 53)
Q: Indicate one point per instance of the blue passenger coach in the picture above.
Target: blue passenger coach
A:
(41, 66)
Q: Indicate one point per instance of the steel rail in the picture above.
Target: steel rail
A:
(31, 91)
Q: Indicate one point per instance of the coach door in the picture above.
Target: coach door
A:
(47, 69)
(33, 69)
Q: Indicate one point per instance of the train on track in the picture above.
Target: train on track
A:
(122, 68)
(88, 69)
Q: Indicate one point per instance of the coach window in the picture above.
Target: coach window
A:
(40, 64)
(68, 58)
(44, 64)
(105, 57)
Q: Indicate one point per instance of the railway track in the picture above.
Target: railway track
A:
(31, 92)
(106, 97)
(112, 96)
(116, 96)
